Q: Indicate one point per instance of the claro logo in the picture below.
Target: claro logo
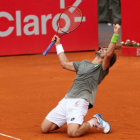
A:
(38, 24)
(26, 29)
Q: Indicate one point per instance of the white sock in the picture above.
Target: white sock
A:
(92, 122)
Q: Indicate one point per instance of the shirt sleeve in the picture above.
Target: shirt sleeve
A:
(76, 65)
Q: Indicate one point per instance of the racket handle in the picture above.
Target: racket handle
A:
(49, 47)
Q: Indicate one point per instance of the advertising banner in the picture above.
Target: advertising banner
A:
(27, 26)
(130, 20)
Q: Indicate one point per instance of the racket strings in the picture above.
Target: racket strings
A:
(70, 19)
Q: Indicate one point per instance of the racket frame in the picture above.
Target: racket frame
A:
(59, 29)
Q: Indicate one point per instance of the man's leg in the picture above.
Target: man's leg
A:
(48, 126)
(76, 111)
(116, 11)
(76, 130)
(55, 119)
(103, 11)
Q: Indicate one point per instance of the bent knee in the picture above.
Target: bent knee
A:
(48, 126)
(73, 134)
(45, 126)
(44, 129)
(73, 130)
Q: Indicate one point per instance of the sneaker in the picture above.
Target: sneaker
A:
(102, 124)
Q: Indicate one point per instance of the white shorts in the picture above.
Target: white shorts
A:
(69, 111)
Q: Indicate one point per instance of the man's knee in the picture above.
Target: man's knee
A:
(72, 130)
(48, 126)
(44, 128)
(73, 133)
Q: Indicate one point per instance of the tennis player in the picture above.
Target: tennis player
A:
(81, 96)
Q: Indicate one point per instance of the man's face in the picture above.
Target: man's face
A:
(102, 52)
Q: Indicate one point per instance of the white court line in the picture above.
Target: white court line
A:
(9, 136)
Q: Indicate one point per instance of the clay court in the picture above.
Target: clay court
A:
(31, 85)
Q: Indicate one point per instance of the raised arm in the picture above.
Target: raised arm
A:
(111, 47)
(65, 63)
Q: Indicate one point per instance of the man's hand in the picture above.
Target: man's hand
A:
(56, 39)
(116, 28)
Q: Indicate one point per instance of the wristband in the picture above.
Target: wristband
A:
(115, 38)
(59, 49)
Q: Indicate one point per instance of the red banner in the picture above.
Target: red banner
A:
(27, 26)
(130, 20)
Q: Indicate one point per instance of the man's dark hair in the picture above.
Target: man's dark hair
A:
(113, 60)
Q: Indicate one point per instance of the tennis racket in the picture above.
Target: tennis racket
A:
(69, 20)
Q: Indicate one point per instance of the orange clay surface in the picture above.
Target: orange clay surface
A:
(32, 85)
